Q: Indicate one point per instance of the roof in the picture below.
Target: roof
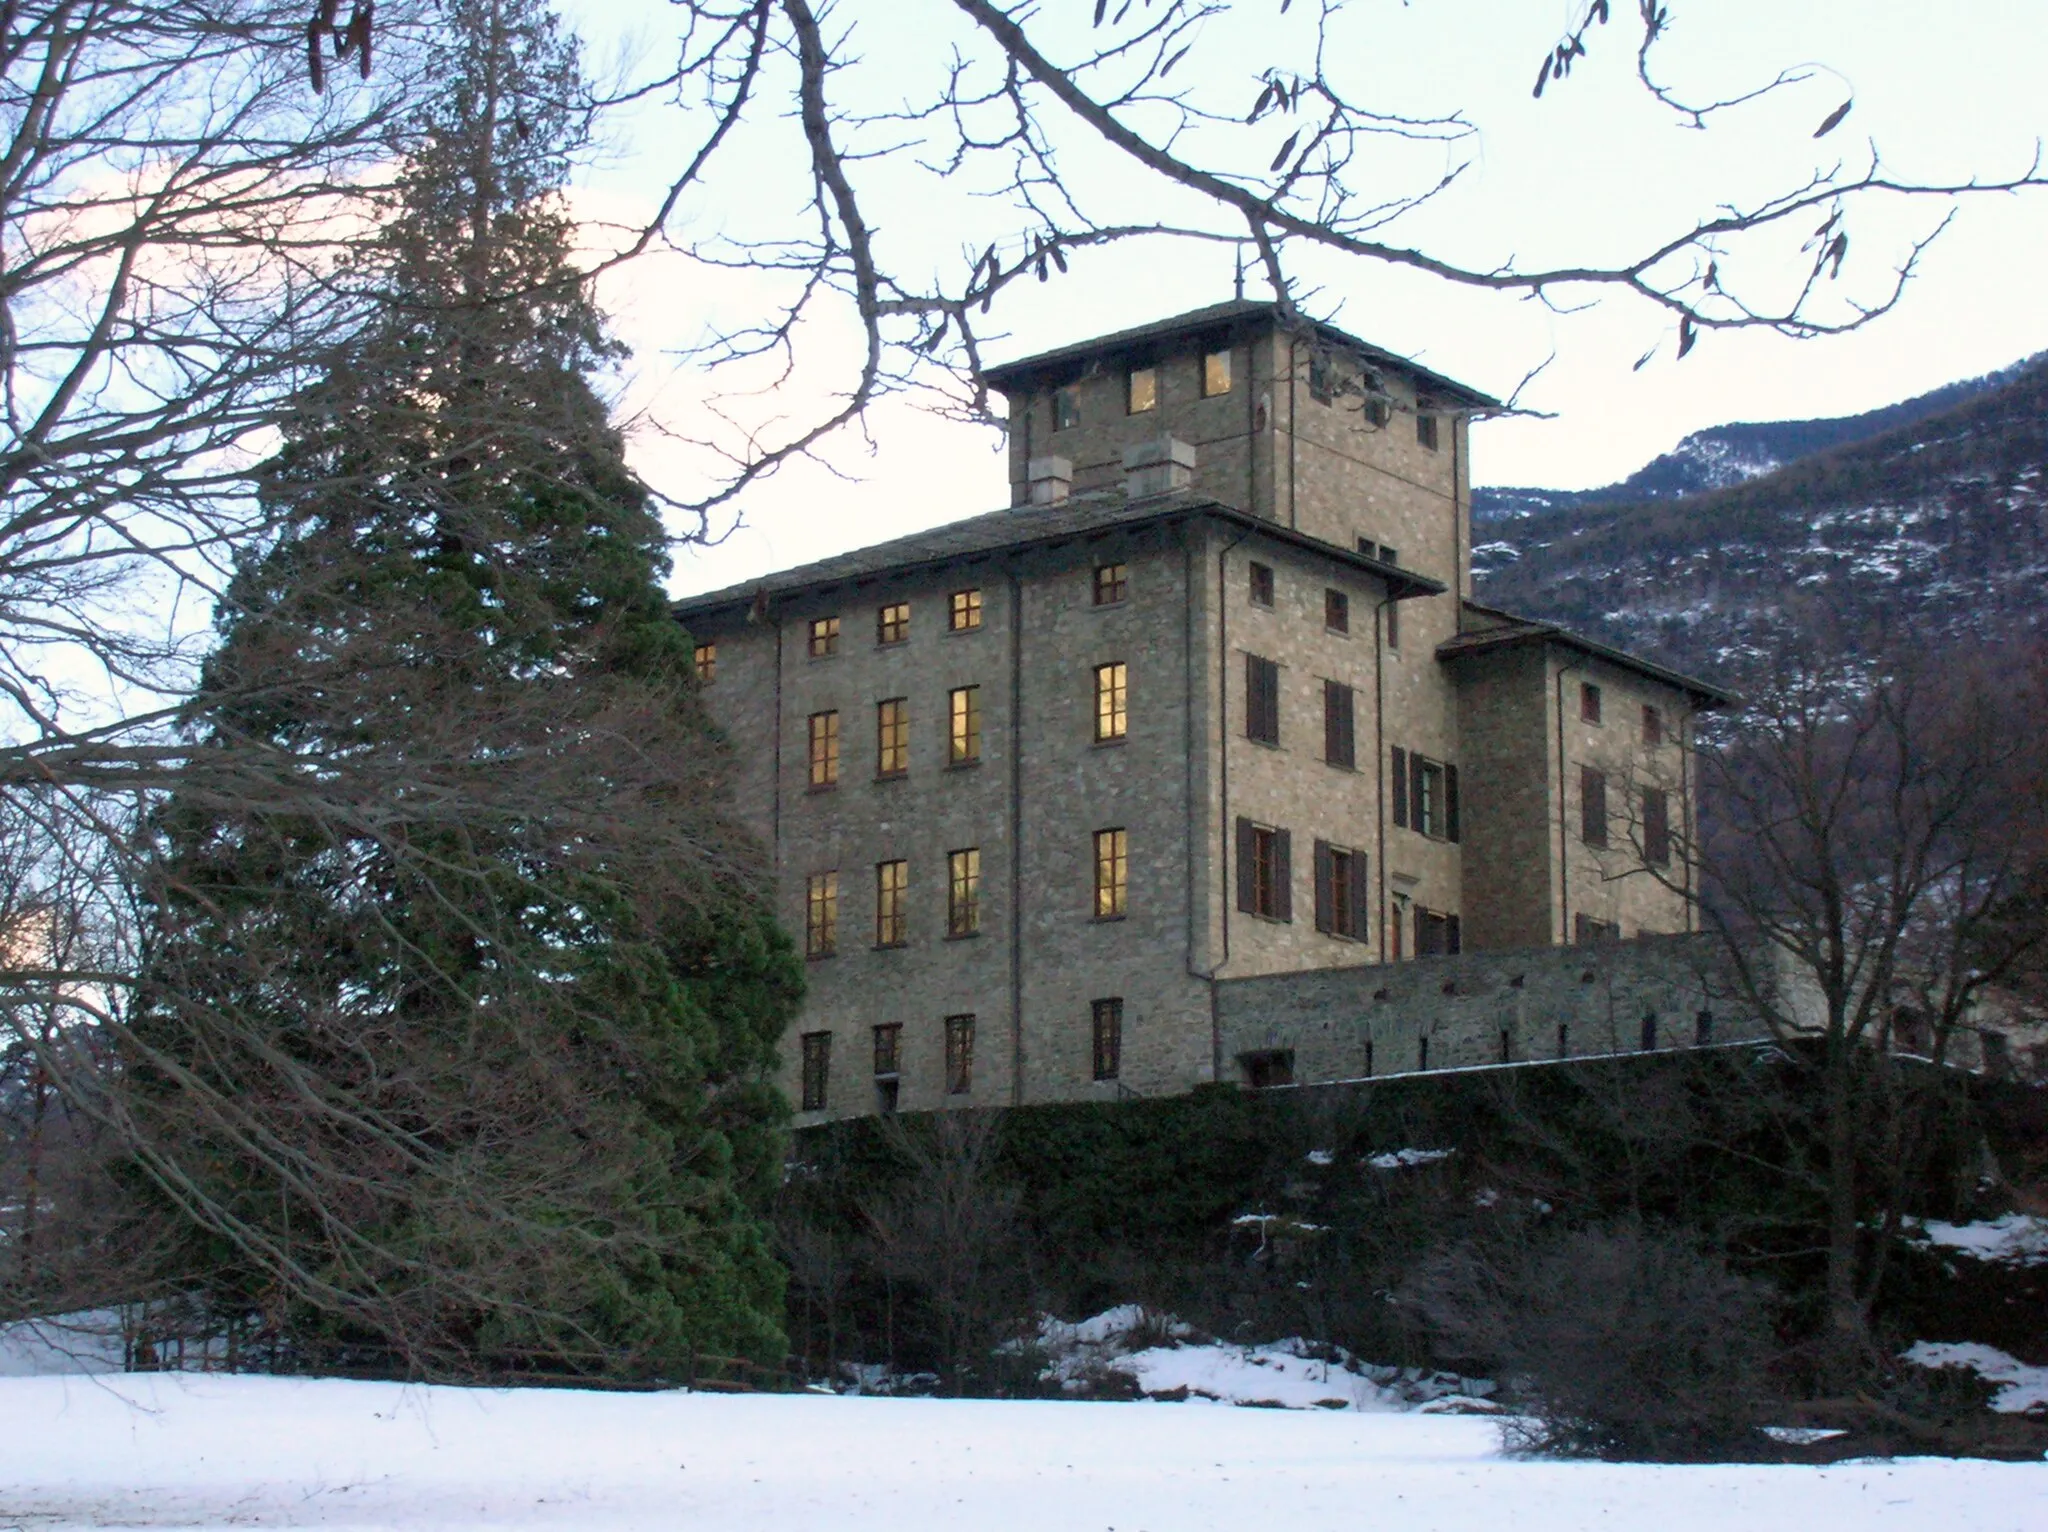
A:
(1238, 312)
(1510, 631)
(1032, 527)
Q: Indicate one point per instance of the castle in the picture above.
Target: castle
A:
(1148, 779)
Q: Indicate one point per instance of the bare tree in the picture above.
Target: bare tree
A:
(1067, 128)
(1871, 852)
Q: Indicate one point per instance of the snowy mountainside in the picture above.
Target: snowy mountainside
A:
(1722, 456)
(1941, 522)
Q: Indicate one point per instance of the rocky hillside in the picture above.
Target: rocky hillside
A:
(1733, 454)
(1941, 520)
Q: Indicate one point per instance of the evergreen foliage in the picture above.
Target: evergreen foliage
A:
(461, 1018)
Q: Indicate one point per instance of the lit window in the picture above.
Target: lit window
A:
(1336, 611)
(824, 637)
(824, 749)
(1653, 726)
(1112, 873)
(963, 727)
(1112, 582)
(1109, 1036)
(1261, 585)
(892, 737)
(1144, 390)
(817, 1048)
(706, 657)
(1111, 701)
(892, 623)
(1066, 408)
(1592, 806)
(963, 611)
(1425, 430)
(1589, 702)
(1215, 374)
(963, 892)
(821, 914)
(892, 903)
(889, 1048)
(959, 1055)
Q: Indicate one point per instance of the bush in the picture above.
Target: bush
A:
(1618, 1343)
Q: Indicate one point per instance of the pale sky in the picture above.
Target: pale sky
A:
(1585, 174)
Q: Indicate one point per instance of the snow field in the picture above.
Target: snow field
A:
(201, 1451)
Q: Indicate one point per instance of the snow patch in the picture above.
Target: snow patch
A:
(1398, 1159)
(2017, 1239)
(2021, 1388)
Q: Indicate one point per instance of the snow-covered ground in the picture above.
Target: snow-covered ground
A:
(2018, 1239)
(2020, 1387)
(205, 1451)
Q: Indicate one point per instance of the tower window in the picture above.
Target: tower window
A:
(1215, 373)
(963, 727)
(1336, 611)
(1112, 583)
(963, 611)
(824, 638)
(1589, 702)
(1425, 430)
(1066, 408)
(1261, 585)
(1653, 726)
(892, 623)
(705, 657)
(1112, 874)
(1112, 697)
(1143, 394)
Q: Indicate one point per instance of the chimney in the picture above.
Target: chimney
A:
(1158, 467)
(1048, 479)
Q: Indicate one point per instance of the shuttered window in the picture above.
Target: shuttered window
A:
(1656, 827)
(1425, 794)
(1592, 806)
(1261, 700)
(1265, 872)
(1341, 898)
(1339, 731)
(1399, 779)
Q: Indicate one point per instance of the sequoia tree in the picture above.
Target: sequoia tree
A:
(459, 1011)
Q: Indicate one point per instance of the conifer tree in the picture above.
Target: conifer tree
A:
(456, 1046)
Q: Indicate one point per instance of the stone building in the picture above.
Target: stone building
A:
(1208, 704)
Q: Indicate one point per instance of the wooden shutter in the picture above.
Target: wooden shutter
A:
(1453, 937)
(1283, 876)
(1415, 798)
(1247, 872)
(1450, 802)
(1656, 827)
(1359, 895)
(1261, 700)
(1326, 897)
(1400, 776)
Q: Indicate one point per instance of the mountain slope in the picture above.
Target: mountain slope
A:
(1941, 521)
(1723, 456)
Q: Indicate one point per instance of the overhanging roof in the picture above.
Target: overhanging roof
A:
(1037, 370)
(1510, 632)
(1026, 529)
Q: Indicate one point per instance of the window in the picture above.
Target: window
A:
(1322, 379)
(1564, 1040)
(1393, 610)
(1396, 924)
(892, 623)
(1378, 411)
(1586, 929)
(1436, 934)
(821, 914)
(824, 637)
(1507, 1045)
(1422, 1053)
(1112, 702)
(1112, 583)
(1215, 373)
(1339, 725)
(1653, 726)
(1341, 899)
(963, 726)
(706, 657)
(1425, 430)
(892, 903)
(1268, 1067)
(1702, 1029)
(1389, 554)
(892, 737)
(1261, 700)
(1066, 408)
(1589, 702)
(1109, 1037)
(1336, 611)
(1261, 584)
(1656, 827)
(1425, 795)
(817, 1048)
(1112, 874)
(1142, 390)
(889, 1048)
(963, 611)
(959, 1055)
(1264, 874)
(824, 749)
(1592, 806)
(1649, 1030)
(963, 892)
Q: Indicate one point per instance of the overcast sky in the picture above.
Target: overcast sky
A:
(1944, 91)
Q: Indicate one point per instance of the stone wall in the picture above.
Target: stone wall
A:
(1481, 1008)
